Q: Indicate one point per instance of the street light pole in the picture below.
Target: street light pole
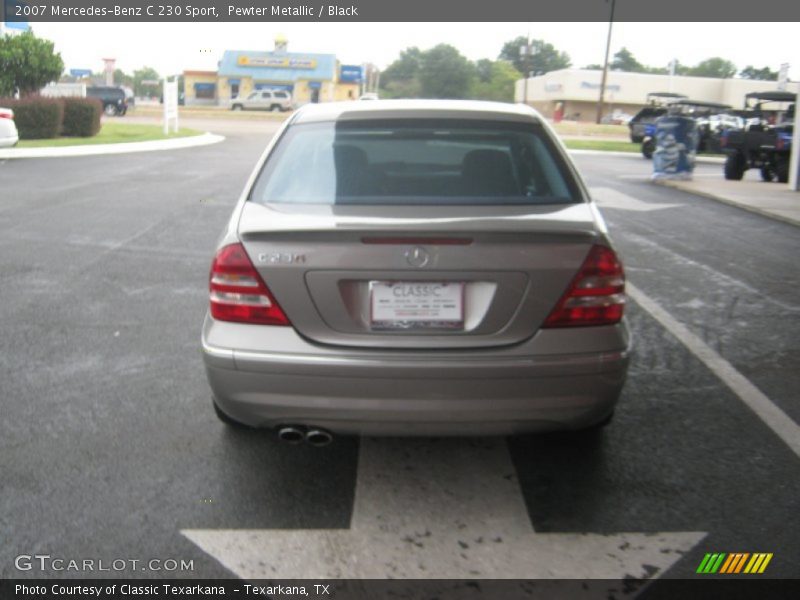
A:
(605, 65)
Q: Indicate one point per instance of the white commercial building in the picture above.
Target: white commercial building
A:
(576, 91)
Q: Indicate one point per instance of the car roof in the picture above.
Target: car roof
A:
(415, 109)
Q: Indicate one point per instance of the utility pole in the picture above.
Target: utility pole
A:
(672, 65)
(525, 51)
(794, 156)
(605, 65)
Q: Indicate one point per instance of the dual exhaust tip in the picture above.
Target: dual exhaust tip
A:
(296, 434)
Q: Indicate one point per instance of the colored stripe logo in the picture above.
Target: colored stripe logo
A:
(734, 563)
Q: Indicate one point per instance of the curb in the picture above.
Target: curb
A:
(703, 194)
(205, 139)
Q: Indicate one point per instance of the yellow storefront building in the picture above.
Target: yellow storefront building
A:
(308, 77)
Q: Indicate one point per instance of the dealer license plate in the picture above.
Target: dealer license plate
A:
(416, 304)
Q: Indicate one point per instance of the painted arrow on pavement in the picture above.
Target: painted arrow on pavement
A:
(449, 509)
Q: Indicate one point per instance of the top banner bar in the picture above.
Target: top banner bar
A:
(152, 11)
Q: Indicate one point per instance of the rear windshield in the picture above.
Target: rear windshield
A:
(407, 161)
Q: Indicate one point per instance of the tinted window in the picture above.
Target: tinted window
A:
(415, 162)
(105, 92)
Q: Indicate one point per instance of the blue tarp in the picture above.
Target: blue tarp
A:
(676, 145)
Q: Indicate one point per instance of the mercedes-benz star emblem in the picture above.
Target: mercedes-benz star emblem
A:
(417, 257)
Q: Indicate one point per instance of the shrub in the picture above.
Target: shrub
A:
(36, 118)
(81, 117)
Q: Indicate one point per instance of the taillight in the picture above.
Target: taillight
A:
(596, 295)
(238, 293)
(6, 114)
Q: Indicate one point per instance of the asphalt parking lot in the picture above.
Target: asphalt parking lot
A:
(109, 448)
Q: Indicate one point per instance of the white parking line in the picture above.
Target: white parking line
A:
(718, 278)
(446, 508)
(777, 420)
(611, 198)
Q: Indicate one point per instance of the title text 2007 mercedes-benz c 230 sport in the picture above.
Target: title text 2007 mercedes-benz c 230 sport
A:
(415, 268)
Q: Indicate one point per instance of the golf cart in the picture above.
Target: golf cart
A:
(711, 119)
(766, 140)
(657, 103)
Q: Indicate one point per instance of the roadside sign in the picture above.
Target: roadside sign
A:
(170, 104)
(350, 74)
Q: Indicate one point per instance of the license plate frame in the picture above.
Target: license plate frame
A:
(418, 305)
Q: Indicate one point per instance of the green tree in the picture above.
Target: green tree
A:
(146, 74)
(445, 73)
(625, 61)
(122, 78)
(764, 74)
(714, 67)
(483, 70)
(401, 78)
(543, 58)
(27, 64)
(682, 69)
(495, 80)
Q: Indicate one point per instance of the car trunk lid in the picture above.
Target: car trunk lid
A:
(500, 270)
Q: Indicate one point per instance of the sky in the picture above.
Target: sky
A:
(175, 47)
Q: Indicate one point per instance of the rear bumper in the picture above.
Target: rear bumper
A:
(477, 392)
(8, 141)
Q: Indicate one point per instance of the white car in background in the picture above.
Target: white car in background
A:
(617, 118)
(273, 100)
(8, 130)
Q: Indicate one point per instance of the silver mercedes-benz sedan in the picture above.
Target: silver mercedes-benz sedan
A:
(415, 268)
